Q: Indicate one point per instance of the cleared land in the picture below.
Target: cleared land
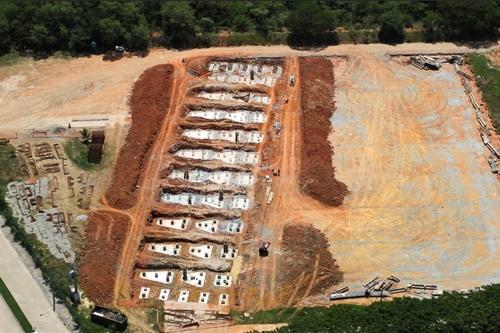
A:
(105, 238)
(149, 104)
(424, 204)
(422, 201)
(317, 175)
(401, 138)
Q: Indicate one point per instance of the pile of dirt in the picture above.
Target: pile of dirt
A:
(306, 256)
(149, 104)
(105, 236)
(317, 174)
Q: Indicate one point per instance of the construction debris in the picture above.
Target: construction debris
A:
(425, 62)
(34, 204)
(358, 294)
(492, 161)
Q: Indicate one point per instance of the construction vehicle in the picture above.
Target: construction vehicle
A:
(264, 248)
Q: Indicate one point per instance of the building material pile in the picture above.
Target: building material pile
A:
(380, 287)
(485, 132)
(425, 62)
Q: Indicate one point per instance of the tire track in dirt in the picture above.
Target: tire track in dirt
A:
(150, 177)
(287, 207)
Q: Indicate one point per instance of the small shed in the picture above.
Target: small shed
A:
(96, 146)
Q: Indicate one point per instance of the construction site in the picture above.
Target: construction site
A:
(54, 201)
(258, 179)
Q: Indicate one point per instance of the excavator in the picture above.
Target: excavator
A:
(264, 248)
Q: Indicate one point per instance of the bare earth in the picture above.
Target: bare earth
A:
(422, 205)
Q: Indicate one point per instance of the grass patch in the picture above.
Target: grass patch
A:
(156, 318)
(14, 307)
(77, 152)
(11, 164)
(489, 83)
(10, 59)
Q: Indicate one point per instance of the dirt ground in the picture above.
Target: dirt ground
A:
(51, 92)
(422, 202)
(106, 232)
(317, 173)
(495, 57)
(305, 249)
(149, 102)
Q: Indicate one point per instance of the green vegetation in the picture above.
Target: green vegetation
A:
(453, 312)
(317, 29)
(11, 165)
(14, 307)
(9, 59)
(42, 27)
(77, 152)
(489, 83)
(156, 317)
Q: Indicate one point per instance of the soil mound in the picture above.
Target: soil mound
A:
(105, 236)
(317, 174)
(149, 104)
(302, 244)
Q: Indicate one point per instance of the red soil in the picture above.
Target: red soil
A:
(317, 174)
(105, 236)
(301, 245)
(149, 103)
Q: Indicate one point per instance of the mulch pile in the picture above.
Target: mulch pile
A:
(317, 174)
(97, 267)
(149, 104)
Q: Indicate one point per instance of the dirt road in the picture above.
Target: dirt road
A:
(422, 204)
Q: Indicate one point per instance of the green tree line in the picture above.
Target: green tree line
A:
(76, 26)
(474, 312)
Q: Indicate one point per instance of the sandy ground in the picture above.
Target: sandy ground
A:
(52, 92)
(424, 204)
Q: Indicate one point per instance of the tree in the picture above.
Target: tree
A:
(110, 32)
(85, 134)
(139, 37)
(470, 19)
(179, 24)
(433, 27)
(391, 27)
(310, 24)
(5, 42)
